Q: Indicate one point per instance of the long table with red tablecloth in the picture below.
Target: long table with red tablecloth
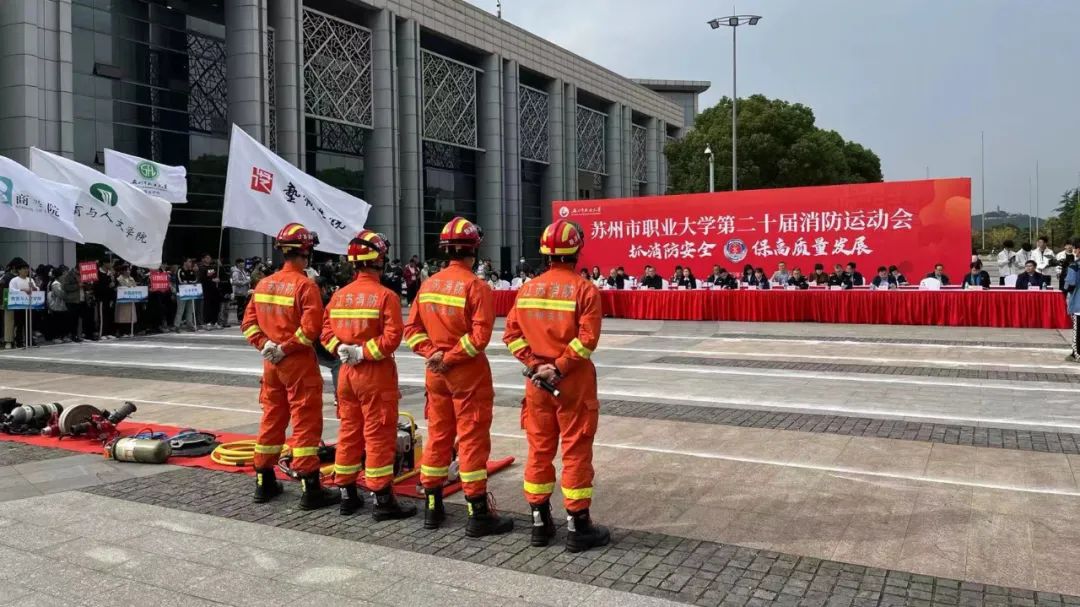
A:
(1003, 308)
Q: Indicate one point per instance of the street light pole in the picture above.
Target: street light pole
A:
(712, 167)
(734, 21)
(982, 179)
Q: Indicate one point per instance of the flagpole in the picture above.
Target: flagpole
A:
(28, 322)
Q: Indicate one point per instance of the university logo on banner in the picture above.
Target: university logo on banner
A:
(29, 202)
(263, 193)
(110, 211)
(166, 182)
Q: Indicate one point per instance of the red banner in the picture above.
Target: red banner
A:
(159, 282)
(88, 271)
(911, 224)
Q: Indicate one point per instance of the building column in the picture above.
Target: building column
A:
(380, 166)
(661, 143)
(489, 170)
(410, 145)
(36, 106)
(613, 156)
(627, 129)
(652, 159)
(554, 180)
(571, 143)
(512, 160)
(288, 25)
(245, 40)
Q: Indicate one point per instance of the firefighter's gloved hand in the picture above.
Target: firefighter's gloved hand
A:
(272, 352)
(350, 355)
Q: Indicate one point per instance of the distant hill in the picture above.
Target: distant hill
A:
(997, 218)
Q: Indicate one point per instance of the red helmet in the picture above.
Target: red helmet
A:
(368, 247)
(561, 238)
(461, 234)
(296, 236)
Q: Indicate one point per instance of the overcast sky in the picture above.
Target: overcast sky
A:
(914, 80)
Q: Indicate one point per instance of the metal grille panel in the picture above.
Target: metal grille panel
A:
(340, 138)
(208, 103)
(533, 124)
(449, 100)
(590, 140)
(640, 137)
(271, 92)
(337, 70)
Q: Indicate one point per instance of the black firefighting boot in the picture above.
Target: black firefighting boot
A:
(351, 499)
(483, 520)
(434, 513)
(543, 528)
(582, 534)
(267, 486)
(314, 495)
(388, 508)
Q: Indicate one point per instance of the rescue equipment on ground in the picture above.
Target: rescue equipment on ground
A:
(89, 421)
(140, 450)
(27, 419)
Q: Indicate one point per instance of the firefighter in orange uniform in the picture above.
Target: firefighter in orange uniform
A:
(450, 324)
(363, 328)
(283, 322)
(553, 329)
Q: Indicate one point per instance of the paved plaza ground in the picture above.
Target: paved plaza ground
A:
(738, 464)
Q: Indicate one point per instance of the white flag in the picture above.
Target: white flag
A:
(161, 180)
(264, 193)
(29, 202)
(110, 212)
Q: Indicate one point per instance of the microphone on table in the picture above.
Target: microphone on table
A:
(544, 384)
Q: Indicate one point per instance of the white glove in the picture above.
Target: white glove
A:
(350, 355)
(272, 352)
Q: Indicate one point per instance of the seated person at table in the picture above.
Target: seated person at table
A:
(676, 275)
(1030, 277)
(781, 275)
(898, 276)
(686, 279)
(651, 280)
(585, 274)
(616, 280)
(725, 281)
(854, 276)
(838, 278)
(939, 274)
(883, 280)
(976, 277)
(747, 273)
(712, 278)
(758, 279)
(797, 280)
(819, 277)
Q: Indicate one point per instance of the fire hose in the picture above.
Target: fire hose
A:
(238, 453)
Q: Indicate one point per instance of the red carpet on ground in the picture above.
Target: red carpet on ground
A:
(406, 487)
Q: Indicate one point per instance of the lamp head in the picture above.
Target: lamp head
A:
(714, 24)
(708, 150)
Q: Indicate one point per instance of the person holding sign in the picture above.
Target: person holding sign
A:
(283, 322)
(125, 312)
(553, 329)
(15, 320)
(362, 326)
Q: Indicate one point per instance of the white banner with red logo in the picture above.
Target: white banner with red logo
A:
(263, 192)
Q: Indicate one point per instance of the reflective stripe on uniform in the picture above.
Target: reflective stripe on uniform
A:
(332, 344)
(579, 348)
(377, 472)
(300, 337)
(475, 475)
(252, 330)
(539, 488)
(577, 494)
(305, 451)
(268, 449)
(354, 313)
(277, 300)
(466, 345)
(516, 345)
(373, 349)
(339, 469)
(432, 471)
(416, 340)
(537, 303)
(446, 300)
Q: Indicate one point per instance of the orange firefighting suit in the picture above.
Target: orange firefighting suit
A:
(368, 315)
(287, 309)
(556, 320)
(454, 313)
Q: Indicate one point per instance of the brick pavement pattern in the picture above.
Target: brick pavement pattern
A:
(652, 564)
(18, 453)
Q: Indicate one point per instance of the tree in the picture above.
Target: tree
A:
(1069, 214)
(779, 146)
